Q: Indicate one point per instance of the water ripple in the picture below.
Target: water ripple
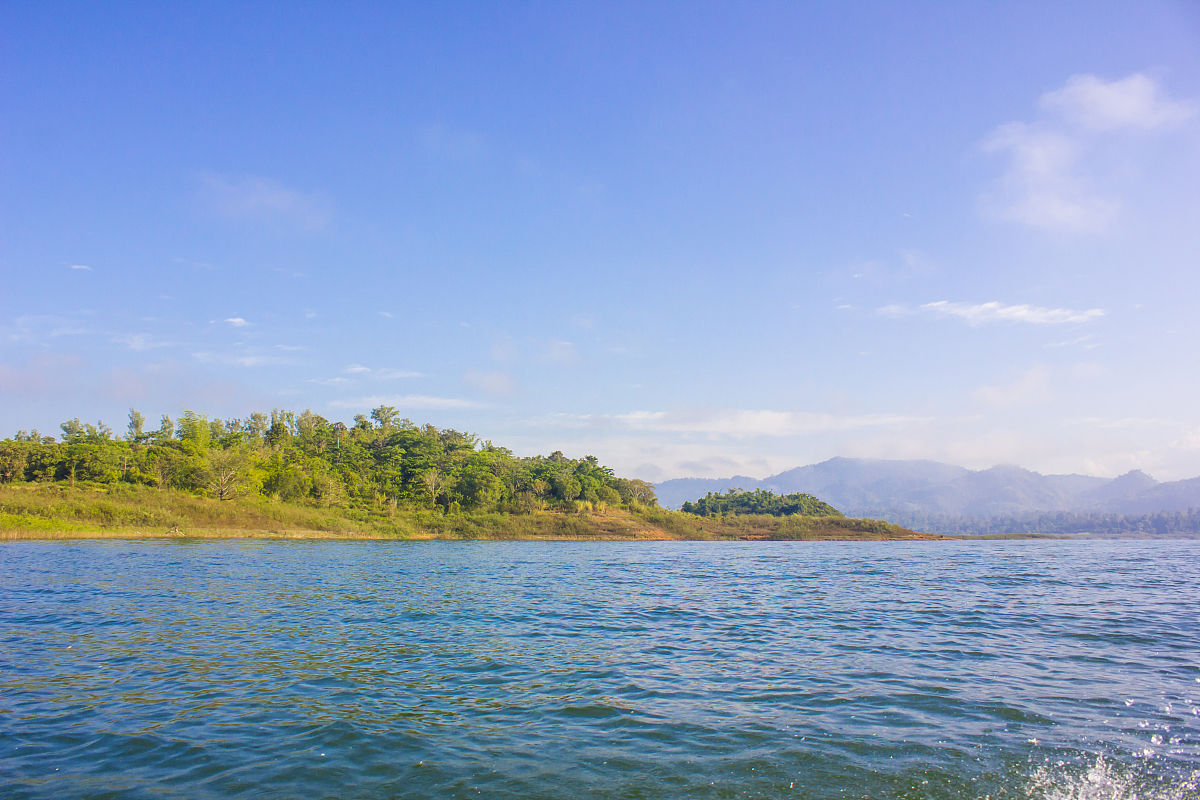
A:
(1048, 670)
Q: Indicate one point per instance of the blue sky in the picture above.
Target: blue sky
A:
(688, 238)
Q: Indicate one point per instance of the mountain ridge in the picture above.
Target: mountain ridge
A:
(887, 487)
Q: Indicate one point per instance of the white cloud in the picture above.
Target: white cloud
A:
(560, 352)
(504, 349)
(1039, 384)
(381, 374)
(1054, 176)
(84, 267)
(237, 322)
(388, 374)
(1087, 342)
(894, 310)
(241, 360)
(140, 341)
(254, 198)
(1030, 387)
(1132, 102)
(737, 423)
(495, 382)
(1041, 185)
(995, 311)
(39, 327)
(329, 381)
(404, 402)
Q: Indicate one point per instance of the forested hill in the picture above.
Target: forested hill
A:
(944, 498)
(872, 487)
(380, 460)
(760, 501)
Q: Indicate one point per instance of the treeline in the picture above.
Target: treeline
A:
(1062, 523)
(382, 460)
(760, 501)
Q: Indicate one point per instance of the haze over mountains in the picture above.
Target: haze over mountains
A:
(886, 489)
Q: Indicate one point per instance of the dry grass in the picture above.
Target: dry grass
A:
(765, 527)
(57, 511)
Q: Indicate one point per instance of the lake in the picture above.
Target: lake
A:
(259, 669)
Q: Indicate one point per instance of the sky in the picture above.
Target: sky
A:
(691, 239)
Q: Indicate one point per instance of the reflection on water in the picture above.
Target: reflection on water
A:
(1048, 670)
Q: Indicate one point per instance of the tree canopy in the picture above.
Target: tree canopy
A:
(760, 501)
(382, 460)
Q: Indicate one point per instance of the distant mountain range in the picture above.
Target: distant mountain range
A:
(904, 489)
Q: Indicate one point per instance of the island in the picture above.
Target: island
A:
(289, 475)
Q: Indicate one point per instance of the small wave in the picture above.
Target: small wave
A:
(1104, 780)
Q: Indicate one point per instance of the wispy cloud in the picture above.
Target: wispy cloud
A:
(995, 311)
(1031, 386)
(405, 402)
(893, 310)
(1134, 102)
(39, 327)
(1087, 342)
(83, 267)
(1042, 186)
(237, 322)
(560, 352)
(244, 360)
(255, 198)
(381, 373)
(388, 374)
(737, 422)
(494, 382)
(140, 341)
(1052, 179)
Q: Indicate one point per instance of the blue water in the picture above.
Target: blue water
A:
(239, 669)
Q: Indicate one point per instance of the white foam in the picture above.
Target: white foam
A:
(1103, 780)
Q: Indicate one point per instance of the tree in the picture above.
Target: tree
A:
(385, 417)
(194, 429)
(477, 488)
(166, 465)
(391, 461)
(135, 432)
(228, 473)
(13, 458)
(257, 426)
(635, 491)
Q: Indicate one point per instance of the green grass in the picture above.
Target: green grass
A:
(33, 510)
(763, 526)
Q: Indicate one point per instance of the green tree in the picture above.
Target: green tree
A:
(228, 473)
(135, 432)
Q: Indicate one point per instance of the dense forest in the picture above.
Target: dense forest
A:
(759, 501)
(1056, 523)
(382, 461)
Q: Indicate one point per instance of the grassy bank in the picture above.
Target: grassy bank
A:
(59, 511)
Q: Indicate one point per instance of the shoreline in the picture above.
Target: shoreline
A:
(57, 512)
(235, 534)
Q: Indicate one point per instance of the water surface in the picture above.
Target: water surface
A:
(258, 669)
